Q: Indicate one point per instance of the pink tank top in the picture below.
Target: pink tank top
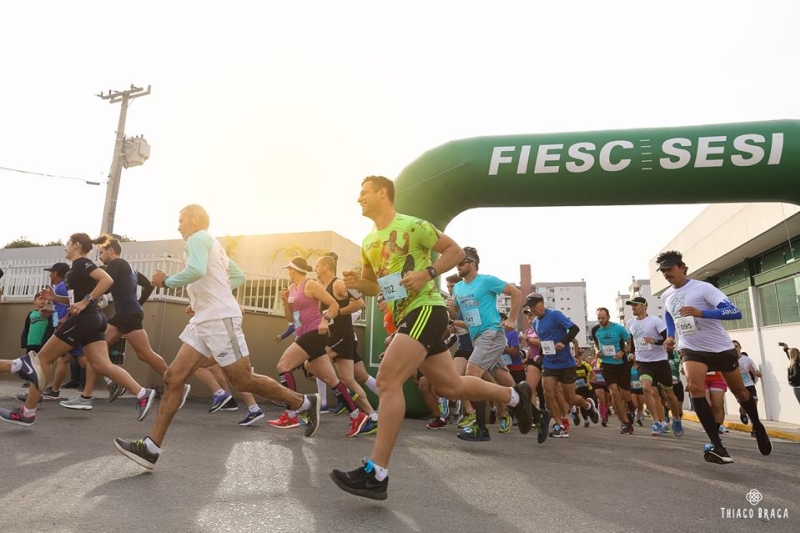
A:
(305, 310)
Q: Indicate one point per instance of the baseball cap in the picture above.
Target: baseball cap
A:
(637, 300)
(533, 299)
(60, 268)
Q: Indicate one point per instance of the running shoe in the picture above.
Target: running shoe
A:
(594, 415)
(218, 401)
(627, 428)
(716, 454)
(437, 422)
(72, 384)
(357, 423)
(455, 407)
(458, 419)
(604, 422)
(666, 417)
(523, 408)
(340, 408)
(31, 369)
(474, 434)
(361, 482)
(762, 440)
(566, 425)
(22, 396)
(505, 424)
(586, 423)
(677, 427)
(576, 419)
(15, 416)
(324, 410)
(559, 433)
(444, 407)
(468, 421)
(285, 421)
(232, 405)
(657, 430)
(252, 417)
(144, 404)
(492, 416)
(371, 427)
(640, 422)
(744, 418)
(186, 389)
(78, 402)
(114, 390)
(311, 415)
(51, 395)
(137, 452)
(722, 430)
(543, 426)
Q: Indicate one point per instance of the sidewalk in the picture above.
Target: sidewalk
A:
(779, 430)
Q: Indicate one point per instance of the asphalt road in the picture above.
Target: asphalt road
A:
(64, 475)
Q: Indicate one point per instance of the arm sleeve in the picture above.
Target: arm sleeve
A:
(289, 330)
(24, 337)
(197, 250)
(147, 288)
(235, 274)
(660, 342)
(572, 332)
(724, 311)
(670, 324)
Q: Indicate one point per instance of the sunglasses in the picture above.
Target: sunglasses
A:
(465, 262)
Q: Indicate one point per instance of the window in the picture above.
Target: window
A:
(780, 302)
(742, 301)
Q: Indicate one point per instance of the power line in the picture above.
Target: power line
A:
(87, 182)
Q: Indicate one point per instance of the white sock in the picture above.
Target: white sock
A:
(220, 391)
(372, 384)
(305, 405)
(355, 413)
(322, 388)
(292, 414)
(16, 365)
(253, 408)
(514, 398)
(28, 412)
(380, 472)
(374, 416)
(151, 446)
(141, 394)
(107, 380)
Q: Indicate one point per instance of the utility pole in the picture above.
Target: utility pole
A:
(114, 175)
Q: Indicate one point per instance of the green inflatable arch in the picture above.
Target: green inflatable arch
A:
(753, 162)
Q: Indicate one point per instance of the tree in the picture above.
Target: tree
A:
(22, 242)
(294, 250)
(55, 243)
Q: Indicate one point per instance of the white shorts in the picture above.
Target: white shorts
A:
(221, 339)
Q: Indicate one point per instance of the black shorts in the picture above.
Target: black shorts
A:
(599, 386)
(584, 392)
(427, 325)
(619, 375)
(344, 346)
(678, 390)
(564, 375)
(464, 354)
(84, 329)
(127, 322)
(534, 361)
(313, 344)
(722, 361)
(659, 372)
(638, 392)
(753, 391)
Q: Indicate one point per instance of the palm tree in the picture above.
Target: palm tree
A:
(294, 250)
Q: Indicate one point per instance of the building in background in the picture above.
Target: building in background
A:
(752, 253)
(638, 287)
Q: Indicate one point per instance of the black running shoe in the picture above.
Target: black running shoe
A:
(594, 415)
(474, 434)
(137, 452)
(523, 408)
(762, 440)
(743, 417)
(543, 426)
(311, 416)
(361, 482)
(716, 454)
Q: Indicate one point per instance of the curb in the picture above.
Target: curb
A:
(738, 426)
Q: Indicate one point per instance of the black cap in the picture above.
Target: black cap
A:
(60, 268)
(637, 300)
(471, 254)
(533, 299)
(669, 259)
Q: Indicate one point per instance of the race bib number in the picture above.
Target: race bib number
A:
(580, 382)
(472, 317)
(296, 320)
(686, 325)
(636, 384)
(642, 345)
(598, 378)
(391, 288)
(548, 347)
(608, 350)
(71, 296)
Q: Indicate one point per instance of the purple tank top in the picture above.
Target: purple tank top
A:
(305, 310)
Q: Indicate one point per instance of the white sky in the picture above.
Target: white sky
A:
(263, 113)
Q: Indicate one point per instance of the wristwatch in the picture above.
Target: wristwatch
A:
(328, 319)
(432, 271)
(88, 298)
